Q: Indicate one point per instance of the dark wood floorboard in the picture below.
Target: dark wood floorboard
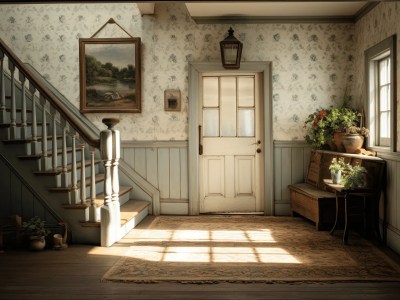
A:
(75, 273)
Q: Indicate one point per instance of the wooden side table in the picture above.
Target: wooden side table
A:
(366, 194)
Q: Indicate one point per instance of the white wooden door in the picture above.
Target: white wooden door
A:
(231, 172)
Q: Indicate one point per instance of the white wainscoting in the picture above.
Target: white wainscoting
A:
(290, 166)
(163, 164)
(393, 200)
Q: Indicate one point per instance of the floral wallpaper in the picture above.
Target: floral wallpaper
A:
(380, 23)
(312, 63)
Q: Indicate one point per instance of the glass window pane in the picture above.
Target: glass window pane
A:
(384, 125)
(210, 91)
(228, 106)
(383, 98)
(246, 91)
(246, 122)
(388, 70)
(383, 78)
(210, 122)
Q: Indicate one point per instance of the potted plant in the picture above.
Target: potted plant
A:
(326, 127)
(319, 131)
(341, 119)
(36, 231)
(336, 167)
(354, 177)
(354, 138)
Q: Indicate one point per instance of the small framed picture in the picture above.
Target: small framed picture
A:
(172, 100)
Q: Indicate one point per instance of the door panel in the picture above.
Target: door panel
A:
(231, 169)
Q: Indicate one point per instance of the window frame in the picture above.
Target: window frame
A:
(373, 55)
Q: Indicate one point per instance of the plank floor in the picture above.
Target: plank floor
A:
(75, 273)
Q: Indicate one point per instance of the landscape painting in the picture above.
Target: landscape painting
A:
(110, 75)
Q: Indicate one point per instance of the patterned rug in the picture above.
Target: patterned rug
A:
(211, 249)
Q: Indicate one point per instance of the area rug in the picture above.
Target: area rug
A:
(211, 249)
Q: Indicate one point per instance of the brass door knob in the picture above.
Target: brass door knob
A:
(258, 150)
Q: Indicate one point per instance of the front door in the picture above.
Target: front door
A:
(230, 130)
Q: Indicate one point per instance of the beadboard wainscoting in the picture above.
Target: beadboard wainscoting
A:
(164, 164)
(393, 200)
(290, 166)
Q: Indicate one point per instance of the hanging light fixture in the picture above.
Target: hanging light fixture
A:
(231, 51)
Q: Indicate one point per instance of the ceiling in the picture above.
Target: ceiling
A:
(275, 11)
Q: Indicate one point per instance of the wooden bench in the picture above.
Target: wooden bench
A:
(311, 200)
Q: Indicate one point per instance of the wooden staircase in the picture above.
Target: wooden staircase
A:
(55, 151)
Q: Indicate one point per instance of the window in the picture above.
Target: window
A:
(380, 74)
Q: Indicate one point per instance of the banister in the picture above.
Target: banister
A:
(92, 139)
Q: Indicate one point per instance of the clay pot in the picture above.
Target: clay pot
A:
(37, 243)
(353, 142)
(338, 140)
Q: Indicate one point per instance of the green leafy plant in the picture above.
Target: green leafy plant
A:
(35, 227)
(337, 165)
(323, 123)
(354, 177)
(319, 132)
(357, 130)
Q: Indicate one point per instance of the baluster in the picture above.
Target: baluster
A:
(92, 210)
(64, 162)
(83, 174)
(22, 78)
(3, 112)
(44, 133)
(34, 144)
(13, 123)
(54, 139)
(115, 177)
(74, 182)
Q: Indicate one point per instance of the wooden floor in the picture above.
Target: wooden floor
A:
(75, 273)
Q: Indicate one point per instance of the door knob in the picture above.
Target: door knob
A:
(258, 150)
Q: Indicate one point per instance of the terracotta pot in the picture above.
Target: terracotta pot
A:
(353, 142)
(37, 243)
(338, 140)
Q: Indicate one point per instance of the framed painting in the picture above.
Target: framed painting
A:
(110, 76)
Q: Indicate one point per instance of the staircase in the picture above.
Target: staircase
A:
(65, 159)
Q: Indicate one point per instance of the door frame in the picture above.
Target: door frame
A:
(195, 71)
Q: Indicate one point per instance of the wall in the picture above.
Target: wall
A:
(380, 23)
(312, 63)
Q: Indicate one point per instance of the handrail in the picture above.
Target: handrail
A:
(92, 139)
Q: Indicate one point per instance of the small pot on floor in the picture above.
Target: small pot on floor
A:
(37, 243)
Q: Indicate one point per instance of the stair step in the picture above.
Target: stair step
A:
(99, 201)
(57, 171)
(128, 211)
(19, 124)
(28, 140)
(131, 209)
(49, 154)
(98, 178)
(122, 191)
(28, 110)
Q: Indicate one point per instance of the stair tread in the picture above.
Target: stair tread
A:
(98, 177)
(58, 170)
(28, 140)
(19, 124)
(49, 154)
(131, 209)
(99, 201)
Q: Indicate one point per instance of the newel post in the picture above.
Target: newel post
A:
(109, 231)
